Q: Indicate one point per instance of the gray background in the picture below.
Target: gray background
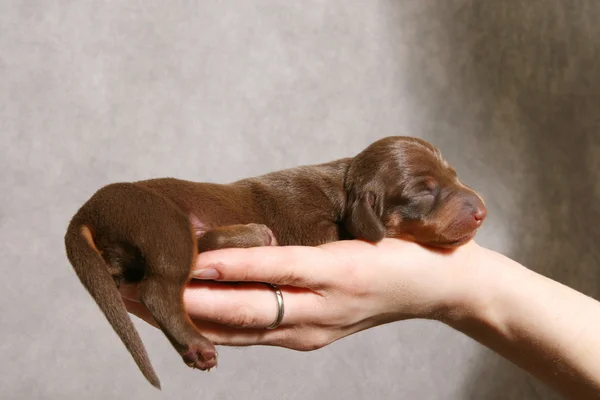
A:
(93, 92)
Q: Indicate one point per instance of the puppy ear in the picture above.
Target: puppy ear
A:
(361, 220)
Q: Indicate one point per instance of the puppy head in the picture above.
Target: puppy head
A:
(402, 187)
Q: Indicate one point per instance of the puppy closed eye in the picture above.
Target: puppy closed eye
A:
(430, 186)
(424, 198)
(417, 208)
(425, 201)
(425, 190)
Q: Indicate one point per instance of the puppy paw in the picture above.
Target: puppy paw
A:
(200, 357)
(265, 233)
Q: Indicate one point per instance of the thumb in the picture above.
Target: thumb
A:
(300, 266)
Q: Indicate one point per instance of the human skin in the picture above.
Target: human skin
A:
(340, 288)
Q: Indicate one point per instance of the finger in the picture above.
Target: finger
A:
(300, 266)
(220, 334)
(292, 338)
(229, 336)
(250, 305)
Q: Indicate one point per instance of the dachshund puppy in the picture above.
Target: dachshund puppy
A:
(150, 232)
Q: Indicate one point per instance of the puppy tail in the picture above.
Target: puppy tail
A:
(93, 274)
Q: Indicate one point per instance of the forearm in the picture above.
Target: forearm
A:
(546, 328)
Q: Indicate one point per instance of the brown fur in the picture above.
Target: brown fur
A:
(149, 232)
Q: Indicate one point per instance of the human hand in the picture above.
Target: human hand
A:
(329, 291)
(337, 289)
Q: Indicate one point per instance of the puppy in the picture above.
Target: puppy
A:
(150, 232)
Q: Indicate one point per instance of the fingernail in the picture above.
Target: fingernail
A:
(208, 273)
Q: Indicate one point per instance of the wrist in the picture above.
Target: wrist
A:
(487, 280)
(474, 277)
(416, 282)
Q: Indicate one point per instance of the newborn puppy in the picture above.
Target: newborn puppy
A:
(150, 232)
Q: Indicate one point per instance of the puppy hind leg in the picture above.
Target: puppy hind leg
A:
(169, 257)
(164, 299)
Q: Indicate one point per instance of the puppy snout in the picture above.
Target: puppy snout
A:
(479, 214)
(479, 209)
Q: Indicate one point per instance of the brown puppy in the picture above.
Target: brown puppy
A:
(150, 232)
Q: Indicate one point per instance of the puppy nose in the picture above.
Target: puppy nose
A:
(480, 213)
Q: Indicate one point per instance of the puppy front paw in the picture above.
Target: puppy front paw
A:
(265, 233)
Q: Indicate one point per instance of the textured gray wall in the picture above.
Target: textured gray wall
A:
(93, 92)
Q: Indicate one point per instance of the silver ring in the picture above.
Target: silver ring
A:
(279, 297)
